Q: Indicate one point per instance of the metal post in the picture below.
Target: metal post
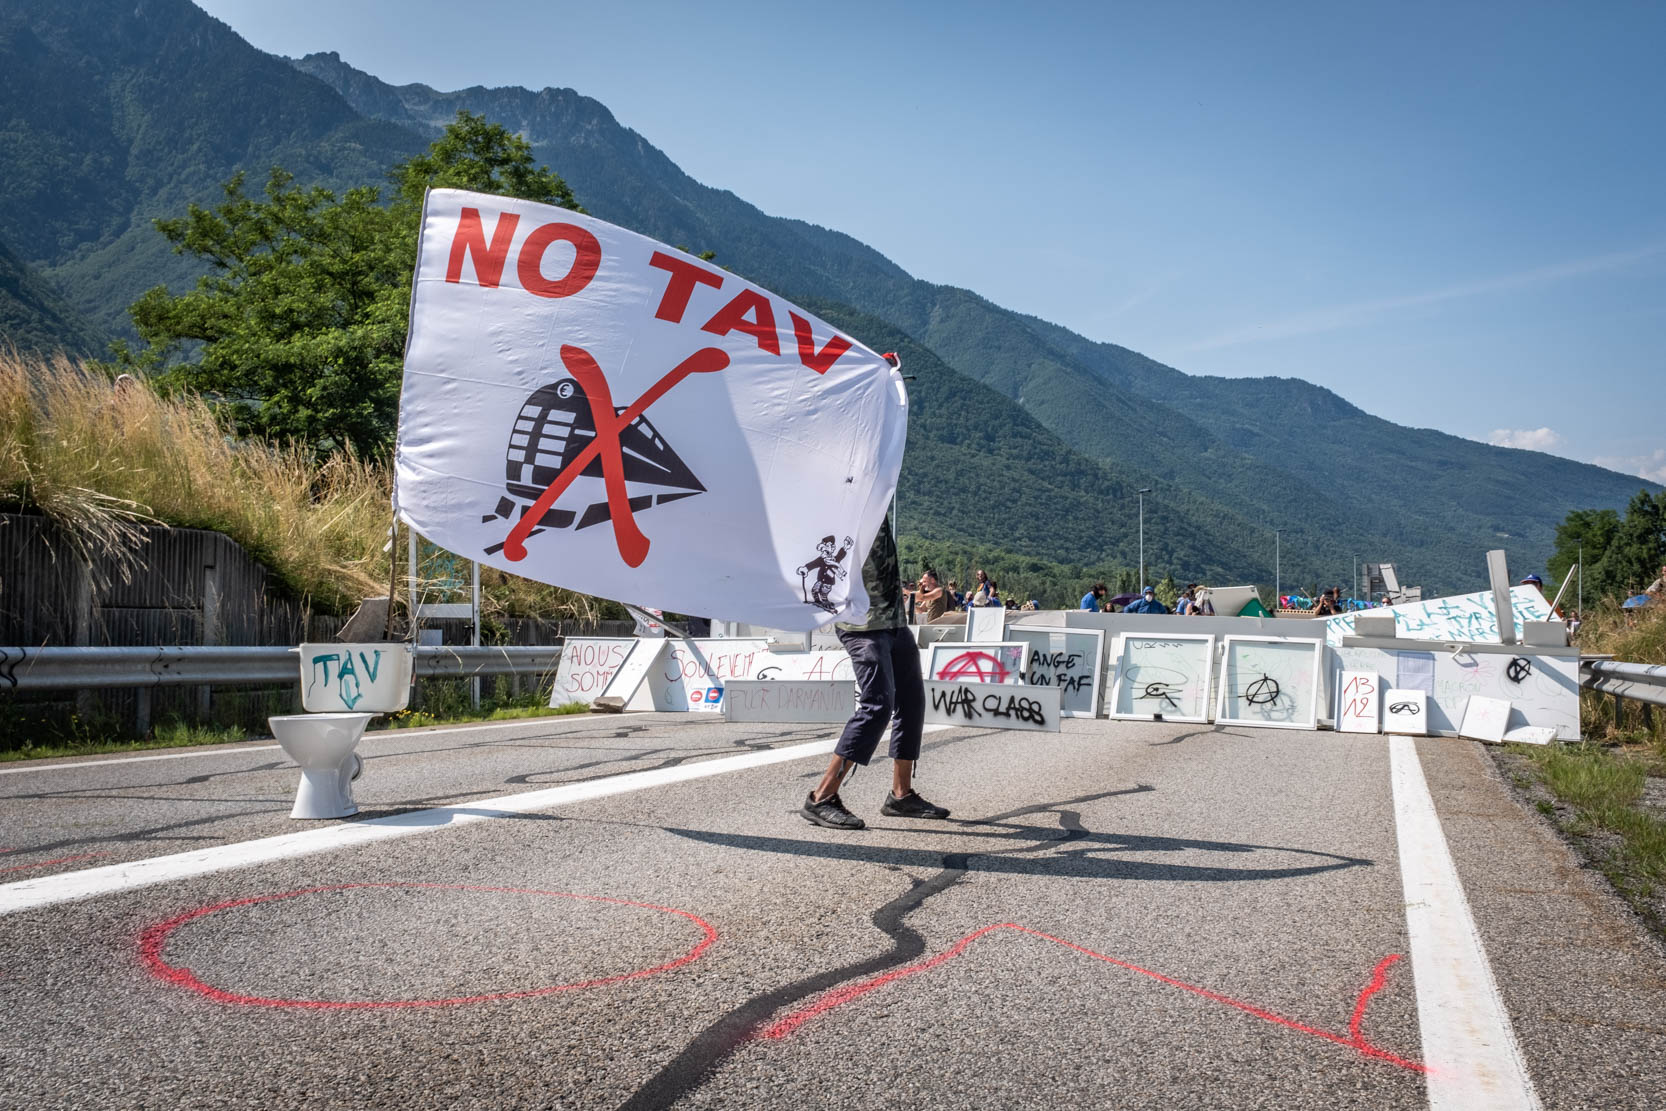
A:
(416, 626)
(1582, 582)
(1143, 492)
(474, 637)
(1278, 587)
(210, 633)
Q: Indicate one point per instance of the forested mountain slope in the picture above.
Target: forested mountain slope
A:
(34, 318)
(119, 112)
(1271, 452)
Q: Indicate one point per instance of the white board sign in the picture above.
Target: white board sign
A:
(587, 666)
(1485, 719)
(630, 682)
(1069, 659)
(1471, 617)
(976, 663)
(1542, 689)
(691, 674)
(1406, 711)
(790, 700)
(355, 678)
(1163, 676)
(984, 624)
(1271, 681)
(1358, 702)
(987, 706)
(810, 667)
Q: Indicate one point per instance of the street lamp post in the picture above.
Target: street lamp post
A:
(1278, 591)
(1142, 492)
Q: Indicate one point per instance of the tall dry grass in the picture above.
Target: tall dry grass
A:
(1636, 635)
(99, 457)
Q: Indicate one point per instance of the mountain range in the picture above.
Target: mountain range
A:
(1026, 438)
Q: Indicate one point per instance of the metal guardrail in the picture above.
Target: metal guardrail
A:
(1644, 682)
(42, 669)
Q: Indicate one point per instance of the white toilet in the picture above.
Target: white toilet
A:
(343, 686)
(323, 745)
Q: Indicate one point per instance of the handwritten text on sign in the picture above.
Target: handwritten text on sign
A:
(1359, 701)
(992, 706)
(585, 406)
(355, 678)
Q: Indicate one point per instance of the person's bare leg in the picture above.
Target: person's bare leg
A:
(835, 775)
(902, 778)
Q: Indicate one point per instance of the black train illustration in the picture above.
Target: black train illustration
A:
(554, 425)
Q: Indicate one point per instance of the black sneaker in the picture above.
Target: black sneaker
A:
(831, 812)
(911, 805)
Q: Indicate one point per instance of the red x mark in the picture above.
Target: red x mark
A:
(633, 545)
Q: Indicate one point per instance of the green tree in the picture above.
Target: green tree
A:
(1634, 556)
(1168, 591)
(298, 330)
(1583, 534)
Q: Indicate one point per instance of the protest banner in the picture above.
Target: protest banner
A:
(586, 407)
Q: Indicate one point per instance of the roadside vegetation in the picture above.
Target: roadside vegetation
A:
(1608, 794)
(99, 455)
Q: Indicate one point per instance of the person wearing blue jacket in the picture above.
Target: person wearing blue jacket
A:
(1094, 600)
(1148, 603)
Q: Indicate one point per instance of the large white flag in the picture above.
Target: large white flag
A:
(587, 407)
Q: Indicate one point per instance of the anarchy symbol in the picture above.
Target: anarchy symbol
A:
(1262, 692)
(1518, 669)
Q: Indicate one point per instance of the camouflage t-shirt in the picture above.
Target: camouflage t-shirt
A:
(882, 579)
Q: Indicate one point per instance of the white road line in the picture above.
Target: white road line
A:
(89, 882)
(1469, 1046)
(372, 735)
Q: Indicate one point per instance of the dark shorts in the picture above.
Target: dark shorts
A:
(889, 691)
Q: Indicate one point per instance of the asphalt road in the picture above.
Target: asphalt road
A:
(1121, 915)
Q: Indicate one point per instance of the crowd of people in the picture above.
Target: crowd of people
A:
(931, 597)
(1193, 601)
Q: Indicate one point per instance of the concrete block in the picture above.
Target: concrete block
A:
(1374, 625)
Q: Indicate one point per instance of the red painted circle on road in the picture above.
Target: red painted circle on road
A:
(155, 939)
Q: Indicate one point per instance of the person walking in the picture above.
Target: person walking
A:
(889, 691)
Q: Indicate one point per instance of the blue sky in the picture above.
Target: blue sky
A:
(1453, 215)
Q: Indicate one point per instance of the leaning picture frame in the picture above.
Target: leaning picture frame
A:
(955, 660)
(1269, 681)
(1162, 677)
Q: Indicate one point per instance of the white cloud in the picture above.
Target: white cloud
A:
(1335, 317)
(1651, 466)
(1532, 439)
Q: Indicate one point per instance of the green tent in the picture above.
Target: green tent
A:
(1254, 608)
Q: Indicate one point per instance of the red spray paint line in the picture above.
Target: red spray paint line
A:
(633, 545)
(49, 863)
(155, 939)
(1354, 1039)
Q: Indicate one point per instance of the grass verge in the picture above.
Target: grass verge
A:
(1599, 797)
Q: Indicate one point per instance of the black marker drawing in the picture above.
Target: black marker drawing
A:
(1518, 669)
(826, 568)
(1263, 692)
(1403, 708)
(556, 423)
(1160, 690)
